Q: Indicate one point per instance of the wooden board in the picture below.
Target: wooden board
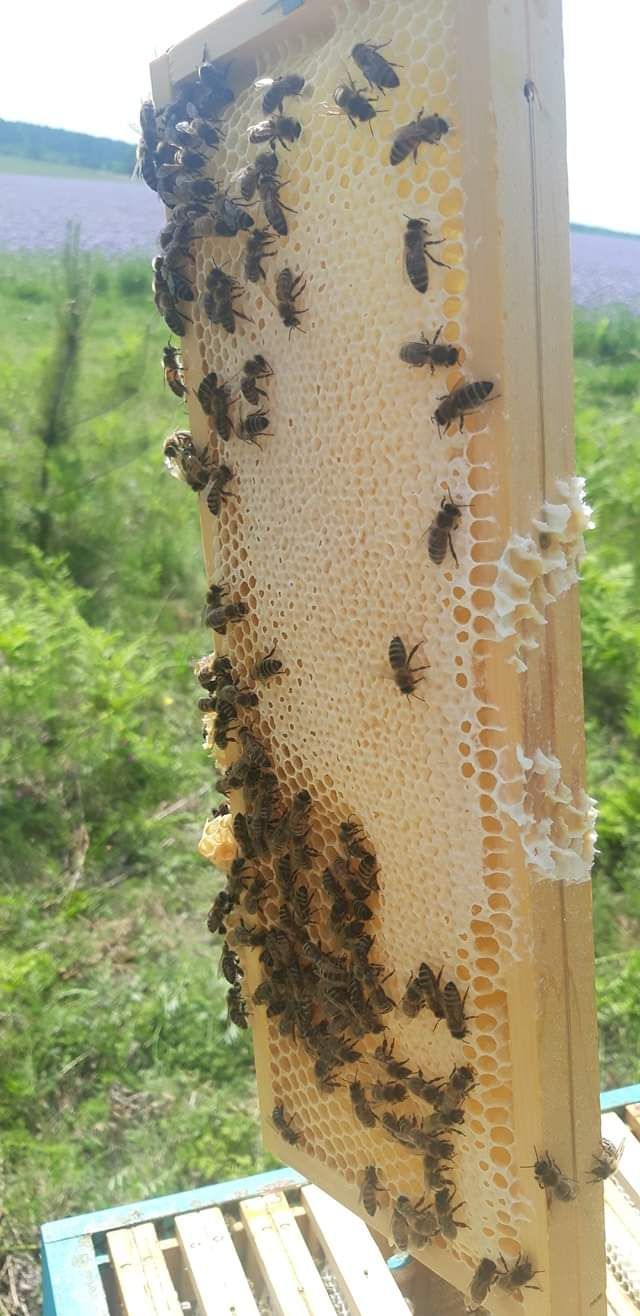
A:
(220, 1284)
(632, 1117)
(144, 1282)
(366, 1284)
(294, 1285)
(628, 1172)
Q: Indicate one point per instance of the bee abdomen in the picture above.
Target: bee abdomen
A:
(437, 545)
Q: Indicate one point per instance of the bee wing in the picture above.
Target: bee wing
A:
(264, 82)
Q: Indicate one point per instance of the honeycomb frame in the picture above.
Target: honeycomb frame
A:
(348, 484)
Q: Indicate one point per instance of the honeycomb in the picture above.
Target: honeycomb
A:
(324, 541)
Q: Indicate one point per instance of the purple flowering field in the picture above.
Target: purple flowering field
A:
(119, 216)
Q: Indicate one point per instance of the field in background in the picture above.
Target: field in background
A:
(119, 1077)
(16, 164)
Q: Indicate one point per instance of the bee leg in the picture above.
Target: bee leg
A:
(453, 551)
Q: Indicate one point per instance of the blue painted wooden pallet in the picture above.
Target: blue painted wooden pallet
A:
(87, 1271)
(73, 1251)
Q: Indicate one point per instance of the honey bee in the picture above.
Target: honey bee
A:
(417, 241)
(378, 71)
(288, 288)
(399, 1230)
(215, 399)
(221, 737)
(218, 302)
(199, 132)
(221, 907)
(217, 493)
(269, 192)
(230, 216)
(283, 1125)
(430, 985)
(461, 1082)
(446, 1210)
(454, 1015)
(352, 838)
(218, 619)
(422, 352)
(277, 128)
(254, 895)
(257, 367)
(145, 156)
(209, 669)
(183, 461)
(395, 1068)
(254, 749)
(425, 1089)
(403, 674)
(442, 527)
(484, 1277)
(256, 250)
(289, 84)
(549, 1176)
(267, 667)
(413, 1000)
(257, 422)
(518, 1275)
(434, 1175)
(230, 964)
(237, 1006)
(410, 137)
(439, 1151)
(361, 1107)
(606, 1160)
(354, 104)
(190, 159)
(380, 1000)
(299, 814)
(303, 904)
(231, 696)
(462, 401)
(212, 77)
(390, 1092)
(368, 871)
(172, 369)
(243, 836)
(371, 1186)
(164, 299)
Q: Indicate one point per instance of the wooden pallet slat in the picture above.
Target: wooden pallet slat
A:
(220, 1284)
(628, 1172)
(632, 1117)
(144, 1282)
(367, 1286)
(294, 1285)
(618, 1302)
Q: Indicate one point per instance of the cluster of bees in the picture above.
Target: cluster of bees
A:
(322, 983)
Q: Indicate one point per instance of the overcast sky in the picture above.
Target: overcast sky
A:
(84, 66)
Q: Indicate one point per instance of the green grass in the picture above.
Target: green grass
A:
(119, 1077)
(114, 1044)
(16, 164)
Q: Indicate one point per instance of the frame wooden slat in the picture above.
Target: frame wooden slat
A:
(632, 1117)
(367, 1286)
(518, 325)
(294, 1285)
(221, 1286)
(144, 1281)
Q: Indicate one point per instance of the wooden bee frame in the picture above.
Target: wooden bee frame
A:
(322, 544)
